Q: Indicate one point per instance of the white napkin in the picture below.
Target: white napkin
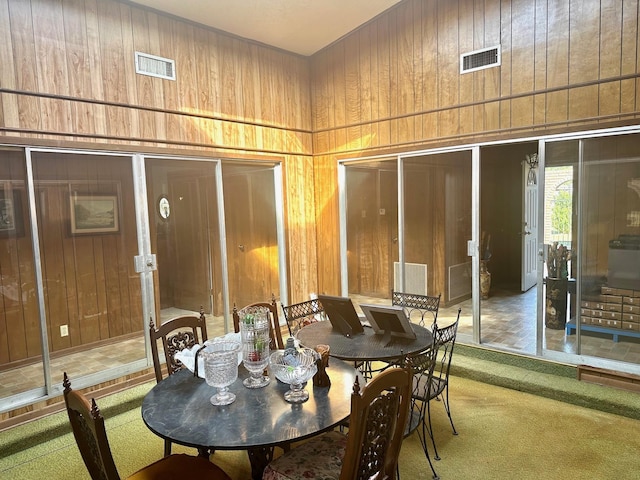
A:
(187, 355)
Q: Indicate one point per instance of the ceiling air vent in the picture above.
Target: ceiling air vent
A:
(479, 59)
(155, 66)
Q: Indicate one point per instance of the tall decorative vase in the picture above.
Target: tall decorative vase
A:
(254, 332)
(485, 280)
(555, 311)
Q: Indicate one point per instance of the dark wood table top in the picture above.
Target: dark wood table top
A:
(178, 409)
(364, 347)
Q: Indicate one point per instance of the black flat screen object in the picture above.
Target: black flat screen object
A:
(389, 321)
(342, 315)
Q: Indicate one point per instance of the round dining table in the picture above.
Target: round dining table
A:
(368, 347)
(178, 409)
(364, 347)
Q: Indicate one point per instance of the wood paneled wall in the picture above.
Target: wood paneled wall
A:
(68, 76)
(68, 72)
(394, 84)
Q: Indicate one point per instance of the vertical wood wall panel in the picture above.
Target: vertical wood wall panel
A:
(628, 53)
(326, 223)
(300, 215)
(24, 62)
(382, 108)
(393, 75)
(430, 68)
(98, 111)
(557, 60)
(448, 69)
(418, 68)
(407, 78)
(9, 103)
(506, 68)
(540, 59)
(364, 79)
(466, 82)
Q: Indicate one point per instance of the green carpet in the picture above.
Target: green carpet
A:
(505, 433)
(540, 377)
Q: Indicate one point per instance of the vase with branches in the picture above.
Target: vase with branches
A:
(557, 282)
(485, 275)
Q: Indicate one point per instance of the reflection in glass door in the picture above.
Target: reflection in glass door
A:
(429, 255)
(87, 239)
(560, 207)
(21, 362)
(183, 223)
(372, 229)
(251, 226)
(436, 230)
(609, 248)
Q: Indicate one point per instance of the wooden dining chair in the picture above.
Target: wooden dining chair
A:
(275, 333)
(304, 313)
(370, 449)
(416, 305)
(175, 334)
(90, 434)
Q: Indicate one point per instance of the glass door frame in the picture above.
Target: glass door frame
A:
(51, 388)
(144, 262)
(473, 247)
(146, 256)
(542, 140)
(554, 355)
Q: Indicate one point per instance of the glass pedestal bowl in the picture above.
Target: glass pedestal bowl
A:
(221, 369)
(295, 370)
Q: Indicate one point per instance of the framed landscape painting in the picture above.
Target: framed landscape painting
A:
(93, 214)
(11, 221)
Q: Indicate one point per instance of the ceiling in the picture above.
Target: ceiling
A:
(299, 26)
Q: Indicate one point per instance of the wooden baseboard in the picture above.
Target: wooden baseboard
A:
(609, 378)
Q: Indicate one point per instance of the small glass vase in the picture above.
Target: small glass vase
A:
(254, 332)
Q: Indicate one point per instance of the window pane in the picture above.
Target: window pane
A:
(87, 229)
(20, 337)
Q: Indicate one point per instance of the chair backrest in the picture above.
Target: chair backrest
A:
(376, 425)
(445, 339)
(275, 334)
(418, 305)
(176, 334)
(304, 313)
(89, 431)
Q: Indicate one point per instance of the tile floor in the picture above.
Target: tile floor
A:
(508, 322)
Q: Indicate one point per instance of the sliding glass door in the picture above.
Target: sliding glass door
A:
(184, 233)
(436, 231)
(372, 228)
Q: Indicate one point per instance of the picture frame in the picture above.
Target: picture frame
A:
(11, 215)
(389, 321)
(342, 314)
(94, 214)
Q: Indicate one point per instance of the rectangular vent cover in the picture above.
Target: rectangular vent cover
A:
(415, 278)
(479, 59)
(155, 66)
